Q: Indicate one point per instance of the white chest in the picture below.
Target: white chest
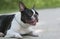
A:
(18, 26)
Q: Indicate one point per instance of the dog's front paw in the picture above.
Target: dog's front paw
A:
(18, 36)
(33, 34)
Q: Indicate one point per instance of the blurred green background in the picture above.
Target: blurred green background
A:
(12, 5)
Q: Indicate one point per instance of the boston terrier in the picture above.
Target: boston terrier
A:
(22, 22)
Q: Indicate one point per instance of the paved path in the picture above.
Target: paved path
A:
(49, 24)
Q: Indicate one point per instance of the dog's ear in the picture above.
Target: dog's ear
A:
(33, 6)
(21, 6)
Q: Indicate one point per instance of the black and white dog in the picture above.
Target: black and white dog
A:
(22, 22)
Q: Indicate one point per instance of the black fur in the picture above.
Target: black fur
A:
(26, 15)
(5, 22)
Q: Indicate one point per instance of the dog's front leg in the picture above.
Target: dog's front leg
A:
(18, 36)
(13, 35)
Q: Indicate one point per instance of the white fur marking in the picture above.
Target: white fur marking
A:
(33, 12)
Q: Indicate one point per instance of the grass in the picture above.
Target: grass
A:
(12, 5)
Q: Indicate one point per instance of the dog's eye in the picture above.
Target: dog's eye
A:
(30, 14)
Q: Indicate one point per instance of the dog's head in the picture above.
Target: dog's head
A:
(29, 16)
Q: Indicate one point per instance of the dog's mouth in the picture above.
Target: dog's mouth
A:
(32, 22)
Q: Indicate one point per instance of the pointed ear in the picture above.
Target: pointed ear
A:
(33, 6)
(21, 6)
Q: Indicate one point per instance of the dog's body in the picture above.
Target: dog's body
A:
(22, 22)
(18, 28)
